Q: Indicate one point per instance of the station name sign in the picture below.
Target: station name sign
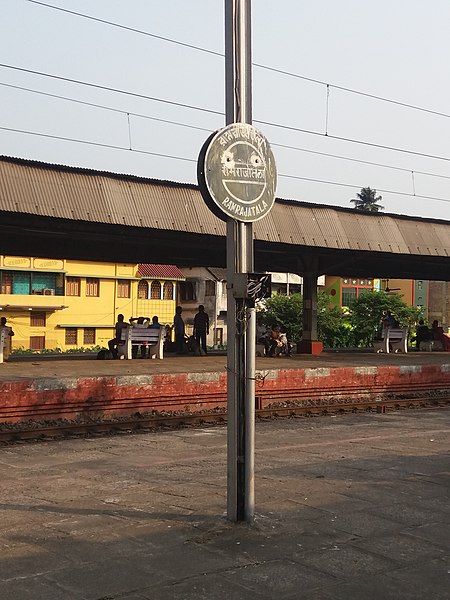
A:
(236, 173)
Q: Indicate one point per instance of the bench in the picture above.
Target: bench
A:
(137, 336)
(3, 338)
(393, 339)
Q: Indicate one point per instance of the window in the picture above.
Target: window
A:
(92, 286)
(43, 283)
(89, 335)
(37, 319)
(72, 286)
(37, 342)
(71, 336)
(21, 283)
(210, 288)
(142, 290)
(155, 290)
(123, 288)
(7, 283)
(168, 290)
(348, 295)
(187, 291)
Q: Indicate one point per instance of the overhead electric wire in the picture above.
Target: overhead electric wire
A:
(100, 144)
(359, 160)
(351, 90)
(258, 65)
(111, 89)
(127, 28)
(102, 106)
(158, 154)
(358, 187)
(221, 113)
(196, 127)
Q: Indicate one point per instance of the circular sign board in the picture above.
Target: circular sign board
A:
(237, 174)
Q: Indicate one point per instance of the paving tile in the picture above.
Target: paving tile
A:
(385, 588)
(400, 548)
(362, 523)
(34, 588)
(106, 578)
(437, 533)
(279, 578)
(407, 513)
(345, 562)
(28, 560)
(214, 587)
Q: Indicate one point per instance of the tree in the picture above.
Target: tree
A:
(286, 311)
(367, 200)
(367, 311)
(333, 327)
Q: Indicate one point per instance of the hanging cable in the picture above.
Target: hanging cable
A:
(326, 116)
(129, 129)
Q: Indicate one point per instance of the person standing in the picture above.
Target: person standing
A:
(178, 327)
(8, 333)
(201, 327)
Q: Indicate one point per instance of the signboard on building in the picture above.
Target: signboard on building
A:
(19, 262)
(237, 174)
(48, 263)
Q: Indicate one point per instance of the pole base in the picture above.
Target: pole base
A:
(309, 347)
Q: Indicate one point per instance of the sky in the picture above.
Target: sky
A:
(159, 99)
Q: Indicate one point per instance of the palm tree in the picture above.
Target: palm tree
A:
(367, 200)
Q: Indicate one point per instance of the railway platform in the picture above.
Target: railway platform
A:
(43, 389)
(350, 507)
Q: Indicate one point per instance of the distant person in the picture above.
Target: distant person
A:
(388, 320)
(278, 342)
(117, 339)
(179, 330)
(155, 324)
(201, 327)
(440, 336)
(263, 337)
(8, 333)
(423, 334)
(139, 323)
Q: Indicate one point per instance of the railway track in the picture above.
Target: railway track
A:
(145, 423)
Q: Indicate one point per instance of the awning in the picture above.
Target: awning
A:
(151, 271)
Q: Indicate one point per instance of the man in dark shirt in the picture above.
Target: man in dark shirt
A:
(112, 344)
(201, 327)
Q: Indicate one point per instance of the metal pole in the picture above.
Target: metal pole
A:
(241, 318)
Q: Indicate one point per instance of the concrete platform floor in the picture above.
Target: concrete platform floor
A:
(26, 367)
(347, 508)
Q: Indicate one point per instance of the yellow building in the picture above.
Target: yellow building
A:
(70, 304)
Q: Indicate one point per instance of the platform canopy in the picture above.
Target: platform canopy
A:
(56, 211)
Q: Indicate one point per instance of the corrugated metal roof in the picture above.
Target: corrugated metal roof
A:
(79, 194)
(160, 272)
